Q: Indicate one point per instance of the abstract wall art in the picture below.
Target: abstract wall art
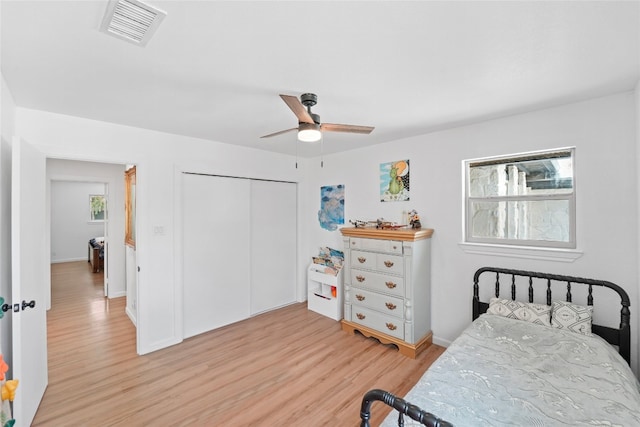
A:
(331, 213)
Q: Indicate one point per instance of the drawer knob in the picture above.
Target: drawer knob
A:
(360, 297)
(390, 305)
(360, 316)
(391, 326)
(389, 264)
(360, 279)
(390, 285)
(362, 259)
(395, 247)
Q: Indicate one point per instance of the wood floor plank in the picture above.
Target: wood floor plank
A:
(287, 367)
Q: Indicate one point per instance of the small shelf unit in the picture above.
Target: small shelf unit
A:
(324, 292)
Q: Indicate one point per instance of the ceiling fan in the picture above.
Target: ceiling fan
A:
(309, 127)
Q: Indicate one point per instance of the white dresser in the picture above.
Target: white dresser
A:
(387, 286)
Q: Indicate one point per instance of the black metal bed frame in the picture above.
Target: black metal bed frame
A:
(402, 406)
(620, 337)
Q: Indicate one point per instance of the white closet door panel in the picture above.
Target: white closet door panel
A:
(216, 265)
(273, 245)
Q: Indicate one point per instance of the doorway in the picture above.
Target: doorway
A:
(79, 219)
(112, 177)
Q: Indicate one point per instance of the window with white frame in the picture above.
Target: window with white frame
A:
(97, 207)
(523, 199)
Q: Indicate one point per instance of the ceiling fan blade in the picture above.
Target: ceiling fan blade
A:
(278, 133)
(332, 127)
(298, 109)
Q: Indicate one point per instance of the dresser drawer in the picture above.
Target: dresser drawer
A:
(386, 324)
(389, 246)
(384, 263)
(377, 282)
(385, 304)
(392, 264)
(360, 259)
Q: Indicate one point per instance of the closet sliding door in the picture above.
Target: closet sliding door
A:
(216, 273)
(273, 248)
(239, 249)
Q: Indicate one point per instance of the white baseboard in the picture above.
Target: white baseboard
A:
(159, 345)
(441, 342)
(58, 261)
(132, 317)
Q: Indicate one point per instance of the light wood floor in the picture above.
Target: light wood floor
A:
(289, 367)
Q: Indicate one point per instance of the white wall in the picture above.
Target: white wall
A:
(7, 119)
(70, 215)
(603, 132)
(159, 159)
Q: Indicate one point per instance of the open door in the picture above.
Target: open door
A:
(105, 233)
(29, 279)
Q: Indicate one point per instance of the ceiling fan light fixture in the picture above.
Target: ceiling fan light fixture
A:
(309, 132)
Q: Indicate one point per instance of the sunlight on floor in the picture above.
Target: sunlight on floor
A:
(99, 308)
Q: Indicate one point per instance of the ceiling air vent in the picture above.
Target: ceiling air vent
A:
(131, 20)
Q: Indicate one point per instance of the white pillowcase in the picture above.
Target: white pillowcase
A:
(539, 314)
(572, 317)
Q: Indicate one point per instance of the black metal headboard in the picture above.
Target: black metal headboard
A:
(619, 337)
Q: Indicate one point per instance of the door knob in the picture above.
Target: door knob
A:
(30, 304)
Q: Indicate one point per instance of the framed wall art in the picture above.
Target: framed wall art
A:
(394, 181)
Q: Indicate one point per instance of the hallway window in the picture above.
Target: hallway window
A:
(524, 199)
(97, 207)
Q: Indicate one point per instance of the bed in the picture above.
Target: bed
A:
(526, 362)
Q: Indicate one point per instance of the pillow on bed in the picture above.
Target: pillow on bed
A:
(573, 317)
(539, 314)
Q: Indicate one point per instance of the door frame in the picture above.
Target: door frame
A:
(89, 179)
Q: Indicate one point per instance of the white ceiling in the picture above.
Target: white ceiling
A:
(214, 69)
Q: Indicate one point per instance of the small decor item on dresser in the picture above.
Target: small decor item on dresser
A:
(358, 223)
(414, 219)
(385, 225)
(378, 223)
